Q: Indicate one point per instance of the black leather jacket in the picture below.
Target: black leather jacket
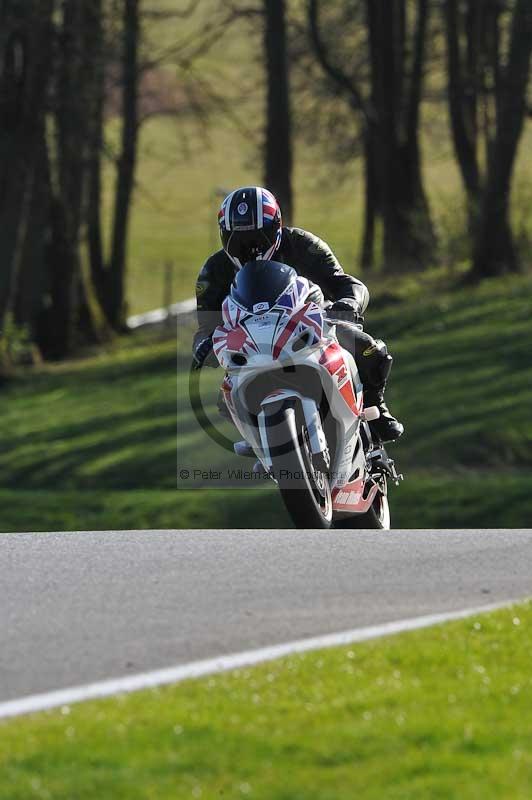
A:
(310, 256)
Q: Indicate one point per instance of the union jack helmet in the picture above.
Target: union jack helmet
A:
(250, 225)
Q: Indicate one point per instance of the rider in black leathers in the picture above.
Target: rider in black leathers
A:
(251, 228)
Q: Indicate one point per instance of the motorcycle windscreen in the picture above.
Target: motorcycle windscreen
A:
(259, 284)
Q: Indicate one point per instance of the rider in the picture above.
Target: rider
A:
(250, 229)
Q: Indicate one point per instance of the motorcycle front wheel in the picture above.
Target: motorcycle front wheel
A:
(305, 490)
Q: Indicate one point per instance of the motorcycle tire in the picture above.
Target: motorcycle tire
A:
(306, 492)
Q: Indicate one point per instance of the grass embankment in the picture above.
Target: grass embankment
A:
(92, 444)
(440, 713)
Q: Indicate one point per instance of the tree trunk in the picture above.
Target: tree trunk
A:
(25, 52)
(68, 170)
(409, 239)
(31, 284)
(278, 134)
(115, 298)
(347, 85)
(94, 160)
(415, 194)
(462, 111)
(367, 250)
(494, 251)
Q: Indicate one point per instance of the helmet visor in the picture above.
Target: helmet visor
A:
(246, 246)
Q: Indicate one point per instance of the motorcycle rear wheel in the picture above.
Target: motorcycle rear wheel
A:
(306, 492)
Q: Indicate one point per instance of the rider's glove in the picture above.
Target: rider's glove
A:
(203, 354)
(315, 294)
(347, 310)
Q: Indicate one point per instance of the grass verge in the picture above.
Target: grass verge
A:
(467, 501)
(98, 443)
(439, 713)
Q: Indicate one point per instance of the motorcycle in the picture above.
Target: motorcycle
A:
(296, 397)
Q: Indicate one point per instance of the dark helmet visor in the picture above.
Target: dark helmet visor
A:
(248, 245)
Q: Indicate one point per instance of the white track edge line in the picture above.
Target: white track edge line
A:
(197, 669)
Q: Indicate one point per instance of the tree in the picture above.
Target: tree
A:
(68, 175)
(270, 18)
(278, 128)
(25, 54)
(473, 36)
(494, 249)
(96, 25)
(109, 275)
(387, 105)
(396, 89)
(115, 302)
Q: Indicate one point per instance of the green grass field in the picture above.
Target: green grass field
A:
(93, 443)
(439, 713)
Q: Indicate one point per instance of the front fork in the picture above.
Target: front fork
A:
(311, 414)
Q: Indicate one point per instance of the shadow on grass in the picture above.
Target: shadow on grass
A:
(110, 423)
(466, 500)
(465, 399)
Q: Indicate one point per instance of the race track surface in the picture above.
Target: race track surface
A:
(83, 607)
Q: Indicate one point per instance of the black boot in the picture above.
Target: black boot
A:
(386, 428)
(374, 365)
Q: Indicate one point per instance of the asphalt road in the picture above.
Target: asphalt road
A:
(82, 607)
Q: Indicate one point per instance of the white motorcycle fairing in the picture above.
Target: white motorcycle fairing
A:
(264, 354)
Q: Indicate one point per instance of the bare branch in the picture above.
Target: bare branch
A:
(338, 77)
(186, 51)
(157, 15)
(245, 11)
